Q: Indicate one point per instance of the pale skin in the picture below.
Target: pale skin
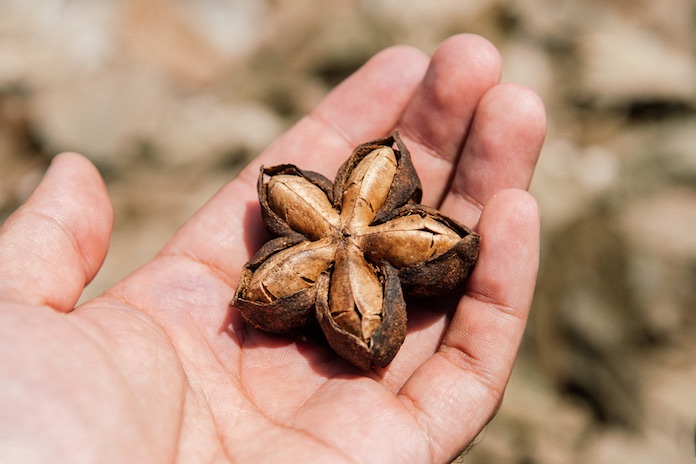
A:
(158, 369)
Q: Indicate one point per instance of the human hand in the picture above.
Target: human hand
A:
(159, 369)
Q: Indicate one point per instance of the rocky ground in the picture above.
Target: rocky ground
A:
(171, 97)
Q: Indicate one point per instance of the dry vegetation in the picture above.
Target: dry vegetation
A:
(171, 97)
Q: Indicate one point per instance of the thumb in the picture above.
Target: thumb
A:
(54, 244)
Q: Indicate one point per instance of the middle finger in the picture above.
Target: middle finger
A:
(436, 121)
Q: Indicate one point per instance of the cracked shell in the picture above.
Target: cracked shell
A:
(346, 252)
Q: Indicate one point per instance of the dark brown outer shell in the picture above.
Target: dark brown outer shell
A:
(283, 315)
(385, 341)
(406, 186)
(274, 223)
(445, 273)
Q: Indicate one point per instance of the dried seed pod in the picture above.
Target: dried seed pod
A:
(432, 252)
(291, 270)
(345, 251)
(405, 185)
(366, 345)
(367, 187)
(305, 181)
(408, 240)
(302, 205)
(355, 293)
(286, 312)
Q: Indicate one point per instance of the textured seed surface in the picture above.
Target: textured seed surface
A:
(291, 270)
(303, 205)
(367, 188)
(408, 240)
(355, 294)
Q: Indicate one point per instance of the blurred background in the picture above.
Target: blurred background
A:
(170, 98)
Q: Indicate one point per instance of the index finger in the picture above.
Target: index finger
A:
(437, 122)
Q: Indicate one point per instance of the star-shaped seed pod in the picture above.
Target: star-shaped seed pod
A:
(346, 252)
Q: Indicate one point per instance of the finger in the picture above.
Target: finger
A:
(365, 106)
(502, 151)
(456, 392)
(54, 244)
(436, 122)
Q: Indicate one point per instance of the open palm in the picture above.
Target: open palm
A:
(159, 369)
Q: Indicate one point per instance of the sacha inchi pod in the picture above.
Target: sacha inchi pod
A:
(346, 252)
